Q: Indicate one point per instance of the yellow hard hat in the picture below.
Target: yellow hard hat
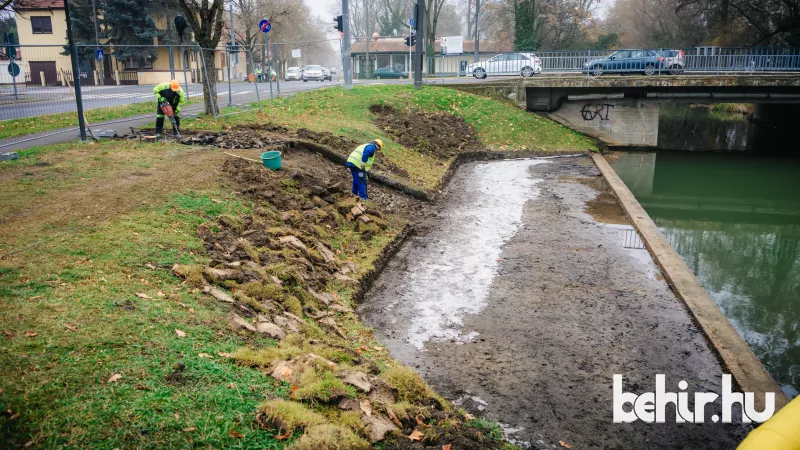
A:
(380, 144)
(174, 85)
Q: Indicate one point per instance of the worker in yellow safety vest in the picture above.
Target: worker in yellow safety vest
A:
(168, 94)
(360, 162)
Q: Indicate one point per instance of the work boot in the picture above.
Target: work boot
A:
(159, 133)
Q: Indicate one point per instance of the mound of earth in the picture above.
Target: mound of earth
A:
(438, 134)
(279, 267)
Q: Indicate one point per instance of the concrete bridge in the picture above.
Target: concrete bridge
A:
(624, 110)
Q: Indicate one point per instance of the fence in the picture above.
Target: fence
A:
(119, 88)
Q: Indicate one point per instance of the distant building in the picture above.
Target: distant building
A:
(393, 52)
(42, 29)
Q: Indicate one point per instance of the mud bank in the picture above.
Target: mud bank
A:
(515, 303)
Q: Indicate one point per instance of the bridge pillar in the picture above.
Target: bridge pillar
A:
(773, 127)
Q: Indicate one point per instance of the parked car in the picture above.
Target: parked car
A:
(326, 74)
(292, 73)
(333, 70)
(673, 60)
(389, 72)
(525, 64)
(313, 72)
(647, 62)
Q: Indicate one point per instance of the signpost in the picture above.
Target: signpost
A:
(265, 26)
(410, 33)
(13, 68)
(98, 54)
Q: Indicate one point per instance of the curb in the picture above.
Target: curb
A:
(734, 353)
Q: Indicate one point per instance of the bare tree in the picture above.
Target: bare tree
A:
(206, 21)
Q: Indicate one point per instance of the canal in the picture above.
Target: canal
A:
(734, 217)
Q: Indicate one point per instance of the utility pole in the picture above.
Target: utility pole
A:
(419, 21)
(97, 43)
(347, 65)
(76, 76)
(477, 33)
(233, 42)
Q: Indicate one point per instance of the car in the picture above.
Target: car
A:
(326, 74)
(333, 70)
(673, 60)
(293, 73)
(313, 72)
(389, 72)
(524, 64)
(648, 62)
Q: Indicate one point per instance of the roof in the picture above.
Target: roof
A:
(398, 45)
(38, 4)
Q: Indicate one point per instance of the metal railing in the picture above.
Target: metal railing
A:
(701, 60)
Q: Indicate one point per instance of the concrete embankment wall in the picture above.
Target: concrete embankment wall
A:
(735, 354)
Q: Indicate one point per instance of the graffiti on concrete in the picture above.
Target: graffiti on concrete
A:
(596, 111)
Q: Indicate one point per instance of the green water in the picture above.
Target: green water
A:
(735, 220)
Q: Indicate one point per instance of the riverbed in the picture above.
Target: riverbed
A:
(517, 304)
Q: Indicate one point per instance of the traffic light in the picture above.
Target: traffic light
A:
(411, 40)
(338, 21)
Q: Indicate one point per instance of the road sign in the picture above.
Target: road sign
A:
(265, 26)
(411, 22)
(13, 69)
(99, 54)
(295, 53)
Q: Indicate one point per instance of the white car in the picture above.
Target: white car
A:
(525, 64)
(326, 74)
(293, 73)
(313, 72)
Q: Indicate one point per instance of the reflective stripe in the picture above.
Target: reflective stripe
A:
(357, 155)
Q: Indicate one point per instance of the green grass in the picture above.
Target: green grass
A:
(32, 125)
(57, 380)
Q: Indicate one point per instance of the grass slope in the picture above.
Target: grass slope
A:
(97, 299)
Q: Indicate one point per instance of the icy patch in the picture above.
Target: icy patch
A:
(462, 260)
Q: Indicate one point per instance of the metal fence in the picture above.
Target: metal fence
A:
(119, 87)
(701, 60)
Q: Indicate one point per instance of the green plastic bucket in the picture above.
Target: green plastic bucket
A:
(271, 160)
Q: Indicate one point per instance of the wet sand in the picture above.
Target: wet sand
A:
(518, 305)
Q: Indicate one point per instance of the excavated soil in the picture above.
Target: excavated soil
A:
(438, 134)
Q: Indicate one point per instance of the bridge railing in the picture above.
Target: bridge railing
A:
(700, 60)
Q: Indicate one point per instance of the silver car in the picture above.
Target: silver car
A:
(313, 73)
(524, 64)
(673, 60)
(292, 73)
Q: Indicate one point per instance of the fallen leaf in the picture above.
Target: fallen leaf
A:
(469, 416)
(9, 333)
(284, 436)
(28, 444)
(36, 297)
(190, 429)
(419, 421)
(564, 444)
(177, 416)
(71, 327)
(114, 378)
(14, 416)
(150, 266)
(366, 407)
(447, 446)
(205, 355)
(180, 333)
(394, 417)
(144, 296)
(161, 294)
(103, 280)
(235, 434)
(416, 435)
(30, 333)
(231, 385)
(378, 348)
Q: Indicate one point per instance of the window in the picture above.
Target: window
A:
(41, 25)
(637, 54)
(622, 54)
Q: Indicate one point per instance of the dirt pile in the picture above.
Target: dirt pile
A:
(239, 139)
(438, 134)
(280, 268)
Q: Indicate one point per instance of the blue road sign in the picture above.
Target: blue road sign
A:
(411, 21)
(99, 55)
(265, 26)
(13, 69)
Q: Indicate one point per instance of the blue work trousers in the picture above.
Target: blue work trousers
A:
(359, 182)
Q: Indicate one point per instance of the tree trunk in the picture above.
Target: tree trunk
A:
(210, 73)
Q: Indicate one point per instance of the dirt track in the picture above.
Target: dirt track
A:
(520, 306)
